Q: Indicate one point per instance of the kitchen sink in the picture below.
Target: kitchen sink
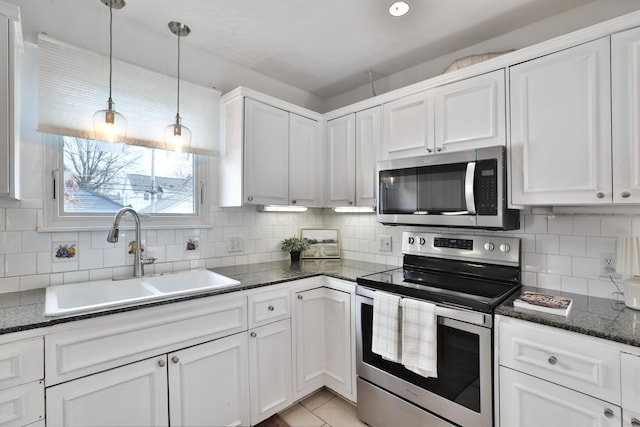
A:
(78, 298)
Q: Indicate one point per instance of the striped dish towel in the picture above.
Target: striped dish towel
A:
(386, 326)
(419, 337)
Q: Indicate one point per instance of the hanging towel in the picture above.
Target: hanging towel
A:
(419, 337)
(386, 326)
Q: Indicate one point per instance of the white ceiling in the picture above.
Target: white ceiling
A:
(325, 47)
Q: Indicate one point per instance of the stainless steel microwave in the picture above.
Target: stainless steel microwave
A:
(460, 189)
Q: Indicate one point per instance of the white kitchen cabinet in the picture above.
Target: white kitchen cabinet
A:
(526, 401)
(209, 383)
(630, 374)
(10, 45)
(324, 345)
(353, 144)
(625, 87)
(561, 127)
(271, 387)
(131, 395)
(470, 113)
(272, 152)
(408, 126)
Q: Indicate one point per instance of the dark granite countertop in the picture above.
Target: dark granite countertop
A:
(20, 311)
(598, 317)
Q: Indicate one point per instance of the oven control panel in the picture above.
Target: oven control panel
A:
(491, 249)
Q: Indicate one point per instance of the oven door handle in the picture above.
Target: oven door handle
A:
(469, 195)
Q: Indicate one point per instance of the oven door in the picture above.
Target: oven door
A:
(463, 392)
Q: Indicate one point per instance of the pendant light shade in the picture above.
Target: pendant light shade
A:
(177, 137)
(109, 125)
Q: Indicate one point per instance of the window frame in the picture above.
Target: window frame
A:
(55, 219)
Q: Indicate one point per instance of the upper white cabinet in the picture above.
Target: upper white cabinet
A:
(271, 155)
(10, 44)
(458, 116)
(470, 113)
(353, 143)
(561, 127)
(625, 86)
(408, 126)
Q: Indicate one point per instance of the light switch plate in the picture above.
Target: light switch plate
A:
(235, 244)
(384, 243)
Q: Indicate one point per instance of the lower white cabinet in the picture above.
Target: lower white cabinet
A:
(323, 342)
(527, 401)
(209, 383)
(22, 405)
(271, 387)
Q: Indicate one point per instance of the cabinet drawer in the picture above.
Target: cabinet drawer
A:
(630, 365)
(21, 362)
(22, 405)
(87, 347)
(570, 359)
(267, 307)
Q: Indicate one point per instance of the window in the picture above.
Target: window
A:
(91, 180)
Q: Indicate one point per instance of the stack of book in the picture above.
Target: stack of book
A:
(546, 303)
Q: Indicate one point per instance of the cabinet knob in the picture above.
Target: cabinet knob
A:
(552, 360)
(250, 199)
(625, 194)
(271, 308)
(608, 413)
(253, 334)
(293, 202)
(350, 202)
(635, 422)
(429, 150)
(175, 359)
(161, 363)
(300, 297)
(439, 149)
(600, 195)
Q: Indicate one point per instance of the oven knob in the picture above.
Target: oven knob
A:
(411, 240)
(422, 241)
(488, 246)
(504, 247)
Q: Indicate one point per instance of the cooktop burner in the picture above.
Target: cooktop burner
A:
(473, 272)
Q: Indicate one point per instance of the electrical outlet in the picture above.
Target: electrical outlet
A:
(235, 245)
(384, 243)
(608, 265)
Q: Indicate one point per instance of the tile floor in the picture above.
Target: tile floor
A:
(322, 409)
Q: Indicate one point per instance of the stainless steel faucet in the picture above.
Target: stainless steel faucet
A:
(138, 260)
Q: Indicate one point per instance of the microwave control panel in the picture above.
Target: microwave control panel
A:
(487, 187)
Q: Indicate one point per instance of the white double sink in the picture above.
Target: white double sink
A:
(77, 298)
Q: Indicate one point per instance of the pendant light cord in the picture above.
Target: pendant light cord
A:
(178, 107)
(110, 46)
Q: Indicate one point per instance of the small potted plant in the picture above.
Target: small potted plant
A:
(294, 245)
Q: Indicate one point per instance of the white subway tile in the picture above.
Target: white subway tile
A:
(549, 281)
(10, 242)
(23, 264)
(76, 276)
(44, 262)
(535, 224)
(21, 219)
(529, 278)
(586, 267)
(101, 274)
(34, 282)
(56, 279)
(560, 224)
(534, 262)
(616, 226)
(166, 237)
(90, 259)
(599, 245)
(586, 225)
(33, 241)
(61, 267)
(575, 285)
(70, 236)
(113, 257)
(602, 289)
(547, 244)
(559, 264)
(11, 284)
(573, 245)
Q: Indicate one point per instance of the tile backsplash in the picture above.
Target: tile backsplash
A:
(560, 251)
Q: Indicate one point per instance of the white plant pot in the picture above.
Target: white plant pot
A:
(632, 292)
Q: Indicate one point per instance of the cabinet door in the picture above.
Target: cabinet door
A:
(470, 113)
(323, 341)
(625, 86)
(210, 383)
(527, 401)
(22, 405)
(630, 376)
(4, 107)
(266, 154)
(341, 152)
(132, 395)
(368, 138)
(305, 161)
(271, 387)
(561, 127)
(408, 126)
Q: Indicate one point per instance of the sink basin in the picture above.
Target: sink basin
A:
(98, 295)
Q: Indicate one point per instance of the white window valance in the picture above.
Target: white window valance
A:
(73, 83)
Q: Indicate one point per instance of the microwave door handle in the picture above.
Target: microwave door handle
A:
(468, 188)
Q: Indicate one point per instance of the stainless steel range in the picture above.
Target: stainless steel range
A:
(466, 277)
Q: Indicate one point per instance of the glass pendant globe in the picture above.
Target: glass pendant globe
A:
(109, 125)
(177, 137)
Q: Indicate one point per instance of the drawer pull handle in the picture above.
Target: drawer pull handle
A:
(552, 360)
(625, 194)
(600, 195)
(300, 296)
(175, 359)
(608, 413)
(271, 308)
(161, 363)
(635, 422)
(253, 335)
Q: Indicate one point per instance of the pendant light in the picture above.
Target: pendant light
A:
(399, 8)
(109, 125)
(177, 137)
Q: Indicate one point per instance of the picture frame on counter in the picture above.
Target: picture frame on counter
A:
(323, 243)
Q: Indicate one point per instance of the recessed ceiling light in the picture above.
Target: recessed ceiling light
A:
(399, 8)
